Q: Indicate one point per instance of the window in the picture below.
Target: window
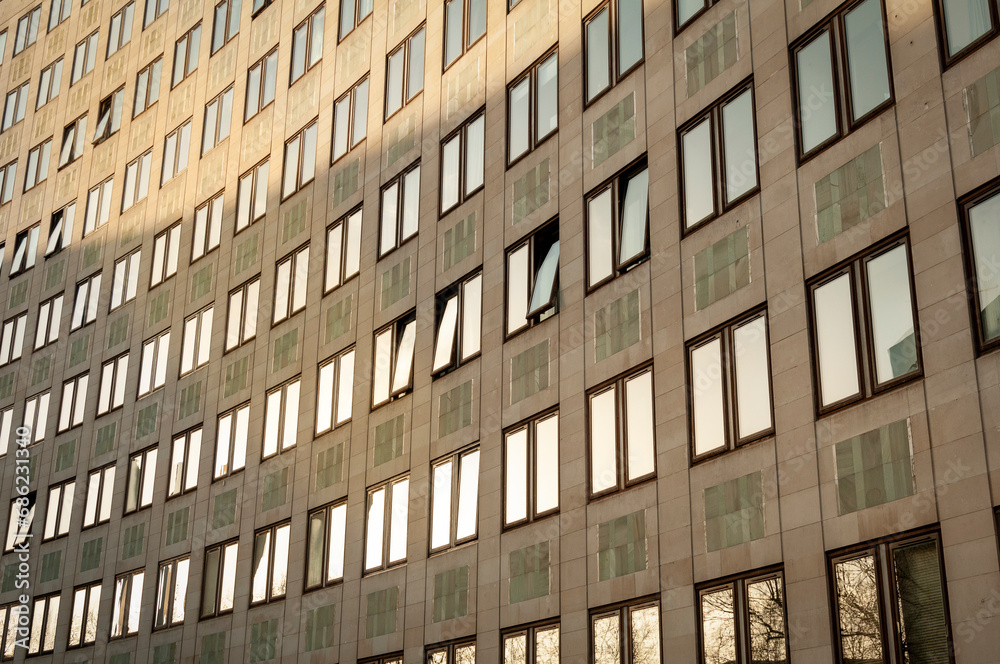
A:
(533, 107)
(7, 175)
(120, 32)
(231, 441)
(125, 280)
(352, 12)
(100, 489)
(464, 24)
(227, 23)
(613, 42)
(59, 510)
(74, 402)
(44, 619)
(617, 225)
(48, 83)
(140, 479)
(393, 361)
(207, 227)
(22, 513)
(86, 609)
(171, 591)
(127, 604)
(300, 161)
(260, 83)
(336, 392)
(258, 6)
(462, 162)
(841, 75)
(533, 279)
(532, 645)
(454, 499)
(981, 230)
(325, 549)
(307, 43)
(109, 115)
(743, 620)
(626, 635)
(965, 25)
(400, 210)
(718, 158)
(49, 316)
(343, 250)
(385, 536)
(154, 9)
(197, 340)
(58, 12)
(730, 379)
(891, 596)
(270, 564)
(404, 78)
(3, 47)
(6, 426)
(153, 369)
(687, 10)
(38, 165)
(36, 415)
(175, 152)
(12, 342)
(83, 58)
(218, 116)
(25, 250)
(621, 433)
(17, 103)
(531, 470)
(281, 418)
(456, 653)
(219, 581)
(184, 457)
(459, 321)
(113, 375)
(27, 30)
(88, 295)
(137, 181)
(74, 138)
(166, 247)
(186, 54)
(147, 87)
(350, 119)
(290, 284)
(242, 323)
(860, 354)
(98, 206)
(251, 199)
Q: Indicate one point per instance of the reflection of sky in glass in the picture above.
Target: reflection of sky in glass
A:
(604, 460)
(697, 148)
(441, 511)
(965, 21)
(468, 492)
(892, 313)
(866, 57)
(706, 383)
(639, 424)
(838, 362)
(376, 518)
(815, 91)
(753, 390)
(984, 223)
(546, 459)
(516, 453)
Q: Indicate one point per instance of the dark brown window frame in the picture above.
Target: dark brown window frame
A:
(215, 612)
(253, 173)
(355, 21)
(399, 179)
(388, 486)
(456, 459)
(624, 610)
(186, 436)
(680, 27)
(530, 426)
(738, 583)
(352, 140)
(942, 32)
(531, 74)
(391, 658)
(529, 630)
(455, 289)
(983, 193)
(187, 55)
(170, 604)
(293, 257)
(324, 563)
(614, 78)
(344, 222)
(334, 360)
(87, 588)
(144, 453)
(405, 47)
(279, 447)
(242, 289)
(466, 44)
(62, 501)
(300, 182)
(547, 232)
(130, 575)
(450, 646)
(461, 133)
(260, 63)
(618, 190)
(398, 326)
(273, 530)
(307, 22)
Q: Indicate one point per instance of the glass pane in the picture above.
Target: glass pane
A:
(515, 477)
(547, 645)
(544, 293)
(472, 316)
(753, 379)
(441, 506)
(317, 535)
(360, 129)
(515, 649)
(866, 57)
(984, 229)
(397, 525)
(629, 34)
(316, 38)
(376, 524)
(893, 335)
(607, 640)
(817, 103)
(520, 109)
(468, 496)
(603, 442)
(922, 616)
(546, 459)
(707, 379)
(766, 606)
(477, 20)
(415, 73)
(411, 204)
(338, 532)
(837, 350)
(394, 82)
(646, 635)
(210, 584)
(280, 571)
(345, 388)
(548, 96)
(352, 261)
(309, 154)
(965, 21)
(639, 425)
(739, 146)
(449, 172)
(859, 618)
(228, 577)
(598, 55)
(718, 625)
(341, 126)
(445, 345)
(634, 214)
(699, 199)
(474, 147)
(517, 289)
(688, 8)
(383, 363)
(453, 30)
(261, 558)
(404, 358)
(599, 238)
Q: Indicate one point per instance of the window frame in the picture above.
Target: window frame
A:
(269, 595)
(399, 218)
(167, 612)
(166, 255)
(271, 57)
(681, 26)
(281, 422)
(246, 314)
(235, 416)
(49, 321)
(126, 22)
(466, 42)
(89, 305)
(16, 109)
(614, 49)
(457, 292)
(457, 460)
(17, 325)
(208, 226)
(75, 137)
(618, 186)
(101, 194)
(36, 169)
(118, 378)
(546, 233)
(531, 74)
(18, 525)
(103, 493)
(398, 329)
(300, 138)
(25, 250)
(221, 575)
(140, 169)
(940, 23)
(356, 19)
(230, 29)
(347, 265)
(199, 324)
(89, 45)
(219, 120)
(57, 18)
(124, 602)
(49, 82)
(737, 583)
(30, 31)
(989, 191)
(297, 288)
(177, 154)
(449, 648)
(352, 98)
(77, 386)
(624, 611)
(388, 487)
(327, 514)
(406, 49)
(336, 364)
(144, 483)
(150, 91)
(109, 108)
(530, 632)
(8, 174)
(188, 65)
(461, 134)
(91, 605)
(308, 26)
(256, 187)
(532, 469)
(63, 516)
(156, 356)
(186, 471)
(157, 8)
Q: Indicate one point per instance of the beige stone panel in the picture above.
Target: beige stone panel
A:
(90, 15)
(55, 45)
(170, 202)
(190, 10)
(303, 100)
(130, 224)
(67, 180)
(223, 66)
(114, 70)
(463, 85)
(79, 97)
(404, 15)
(264, 33)
(212, 170)
(44, 122)
(31, 205)
(152, 43)
(141, 132)
(180, 105)
(256, 139)
(10, 142)
(530, 33)
(104, 158)
(353, 57)
(4, 216)
(400, 138)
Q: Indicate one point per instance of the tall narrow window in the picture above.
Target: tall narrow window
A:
(352, 12)
(864, 334)
(613, 38)
(459, 323)
(965, 25)
(12, 341)
(393, 360)
(622, 446)
(218, 117)
(58, 12)
(269, 575)
(841, 75)
(730, 379)
(533, 279)
(462, 161)
(335, 396)
(84, 57)
(154, 9)
(98, 206)
(531, 470)
(385, 524)
(59, 510)
(241, 325)
(153, 369)
(7, 175)
(127, 604)
(49, 82)
(85, 302)
(743, 620)
(176, 150)
(260, 84)
(185, 453)
(36, 415)
(100, 489)
(291, 282)
(83, 621)
(207, 227)
(37, 170)
(186, 54)
(25, 250)
(73, 141)
(166, 247)
(113, 375)
(454, 499)
(140, 479)
(981, 232)
(44, 619)
(171, 593)
(147, 87)
(281, 418)
(15, 106)
(125, 282)
(626, 635)
(251, 198)
(197, 340)
(464, 25)
(219, 580)
(404, 77)
(27, 29)
(136, 180)
(109, 115)
(300, 161)
(617, 225)
(350, 119)
(49, 317)
(19, 521)
(343, 250)
(307, 44)
(538, 644)
(231, 441)
(226, 23)
(120, 32)
(325, 547)
(400, 210)
(74, 402)
(533, 107)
